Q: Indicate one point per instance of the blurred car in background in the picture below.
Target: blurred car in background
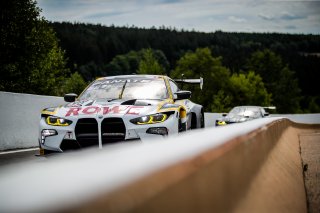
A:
(241, 114)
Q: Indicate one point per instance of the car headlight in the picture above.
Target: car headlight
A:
(56, 121)
(150, 119)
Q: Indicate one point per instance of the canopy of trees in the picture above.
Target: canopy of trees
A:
(101, 50)
(221, 90)
(31, 59)
(238, 68)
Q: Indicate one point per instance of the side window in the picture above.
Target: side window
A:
(174, 87)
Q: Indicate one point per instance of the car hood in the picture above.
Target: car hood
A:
(105, 108)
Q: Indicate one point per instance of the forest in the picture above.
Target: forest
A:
(288, 64)
(41, 57)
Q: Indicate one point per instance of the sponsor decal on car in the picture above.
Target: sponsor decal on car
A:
(133, 110)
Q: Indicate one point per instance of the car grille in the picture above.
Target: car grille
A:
(87, 132)
(113, 130)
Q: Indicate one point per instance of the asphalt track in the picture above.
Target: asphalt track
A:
(9, 158)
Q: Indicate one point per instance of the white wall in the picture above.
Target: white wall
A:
(19, 118)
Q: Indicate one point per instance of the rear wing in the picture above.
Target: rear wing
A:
(191, 81)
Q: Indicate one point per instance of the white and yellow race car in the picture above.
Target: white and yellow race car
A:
(120, 108)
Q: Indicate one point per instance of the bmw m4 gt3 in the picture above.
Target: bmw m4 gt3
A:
(120, 108)
(241, 114)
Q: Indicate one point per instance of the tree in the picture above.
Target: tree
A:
(279, 80)
(149, 64)
(249, 89)
(221, 91)
(243, 89)
(130, 63)
(124, 64)
(198, 64)
(74, 84)
(31, 60)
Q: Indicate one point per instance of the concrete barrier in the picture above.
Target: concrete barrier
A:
(20, 115)
(250, 167)
(257, 172)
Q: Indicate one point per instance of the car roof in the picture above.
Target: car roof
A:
(248, 107)
(134, 76)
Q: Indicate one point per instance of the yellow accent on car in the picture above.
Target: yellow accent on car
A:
(221, 123)
(183, 112)
(166, 101)
(46, 112)
(41, 151)
(100, 78)
(168, 88)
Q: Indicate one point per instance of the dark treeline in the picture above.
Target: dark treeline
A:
(91, 49)
(39, 57)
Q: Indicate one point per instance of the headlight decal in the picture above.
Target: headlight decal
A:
(150, 119)
(56, 121)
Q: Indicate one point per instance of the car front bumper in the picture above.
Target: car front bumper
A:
(62, 138)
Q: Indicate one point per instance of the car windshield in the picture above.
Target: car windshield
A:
(253, 112)
(135, 88)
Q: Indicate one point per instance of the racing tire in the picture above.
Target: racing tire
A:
(181, 126)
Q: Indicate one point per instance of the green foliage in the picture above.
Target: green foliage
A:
(74, 84)
(314, 105)
(149, 64)
(31, 60)
(243, 89)
(221, 91)
(248, 89)
(202, 64)
(48, 71)
(134, 60)
(221, 102)
(279, 80)
(100, 45)
(91, 71)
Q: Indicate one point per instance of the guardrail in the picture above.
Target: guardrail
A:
(249, 167)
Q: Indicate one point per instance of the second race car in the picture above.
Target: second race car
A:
(241, 114)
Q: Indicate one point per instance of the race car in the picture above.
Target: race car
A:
(241, 114)
(120, 108)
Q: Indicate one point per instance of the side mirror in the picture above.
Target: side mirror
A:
(183, 94)
(224, 114)
(70, 97)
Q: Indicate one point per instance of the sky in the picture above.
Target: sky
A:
(286, 16)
